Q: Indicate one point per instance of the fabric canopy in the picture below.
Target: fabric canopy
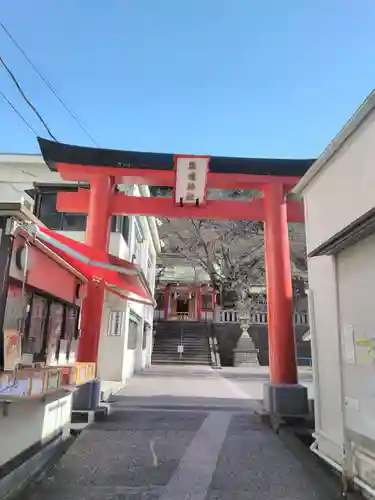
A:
(119, 276)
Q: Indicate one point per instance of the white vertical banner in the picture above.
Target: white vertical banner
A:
(191, 179)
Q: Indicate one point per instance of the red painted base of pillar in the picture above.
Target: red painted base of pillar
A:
(282, 353)
(91, 320)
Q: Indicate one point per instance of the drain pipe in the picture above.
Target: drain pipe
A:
(359, 482)
(315, 362)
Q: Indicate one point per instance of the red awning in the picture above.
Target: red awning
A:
(119, 276)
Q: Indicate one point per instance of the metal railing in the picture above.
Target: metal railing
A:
(207, 316)
(305, 361)
(260, 318)
(159, 316)
(229, 316)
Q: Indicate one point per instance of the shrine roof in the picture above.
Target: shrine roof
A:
(56, 152)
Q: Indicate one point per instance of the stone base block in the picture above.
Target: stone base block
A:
(245, 353)
(286, 400)
(246, 357)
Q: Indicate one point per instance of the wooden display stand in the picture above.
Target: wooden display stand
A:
(38, 381)
(69, 375)
(77, 374)
(85, 372)
(27, 383)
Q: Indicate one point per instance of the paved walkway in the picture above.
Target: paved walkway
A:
(181, 433)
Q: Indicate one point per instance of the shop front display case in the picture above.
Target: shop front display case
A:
(30, 382)
(77, 374)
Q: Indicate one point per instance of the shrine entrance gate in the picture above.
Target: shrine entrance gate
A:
(103, 170)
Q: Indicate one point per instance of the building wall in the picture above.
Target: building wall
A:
(343, 190)
(341, 289)
(32, 422)
(27, 424)
(342, 293)
(112, 349)
(116, 362)
(356, 272)
(19, 172)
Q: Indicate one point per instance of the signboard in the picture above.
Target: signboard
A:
(180, 349)
(349, 345)
(13, 321)
(12, 349)
(55, 323)
(191, 179)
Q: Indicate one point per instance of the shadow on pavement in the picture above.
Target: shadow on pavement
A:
(167, 401)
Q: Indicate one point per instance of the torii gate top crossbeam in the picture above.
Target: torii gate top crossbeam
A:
(78, 163)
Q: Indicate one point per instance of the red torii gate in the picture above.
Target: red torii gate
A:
(104, 169)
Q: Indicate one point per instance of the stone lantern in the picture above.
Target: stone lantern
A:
(245, 353)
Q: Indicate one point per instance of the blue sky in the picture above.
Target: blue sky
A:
(271, 78)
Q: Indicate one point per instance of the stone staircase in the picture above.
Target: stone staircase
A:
(193, 336)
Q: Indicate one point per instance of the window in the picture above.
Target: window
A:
(120, 224)
(116, 323)
(150, 271)
(125, 227)
(133, 334)
(138, 254)
(45, 210)
(139, 234)
(73, 222)
(139, 241)
(146, 333)
(59, 221)
(114, 224)
(134, 329)
(207, 302)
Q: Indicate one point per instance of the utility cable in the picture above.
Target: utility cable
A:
(9, 71)
(18, 113)
(49, 85)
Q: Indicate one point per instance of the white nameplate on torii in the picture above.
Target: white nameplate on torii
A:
(191, 179)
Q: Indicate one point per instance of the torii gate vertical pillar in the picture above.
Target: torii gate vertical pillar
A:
(97, 236)
(283, 395)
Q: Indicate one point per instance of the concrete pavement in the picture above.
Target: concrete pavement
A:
(181, 433)
(251, 379)
(198, 384)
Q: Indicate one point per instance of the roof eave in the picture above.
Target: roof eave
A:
(349, 128)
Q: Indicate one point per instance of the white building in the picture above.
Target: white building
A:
(339, 196)
(126, 335)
